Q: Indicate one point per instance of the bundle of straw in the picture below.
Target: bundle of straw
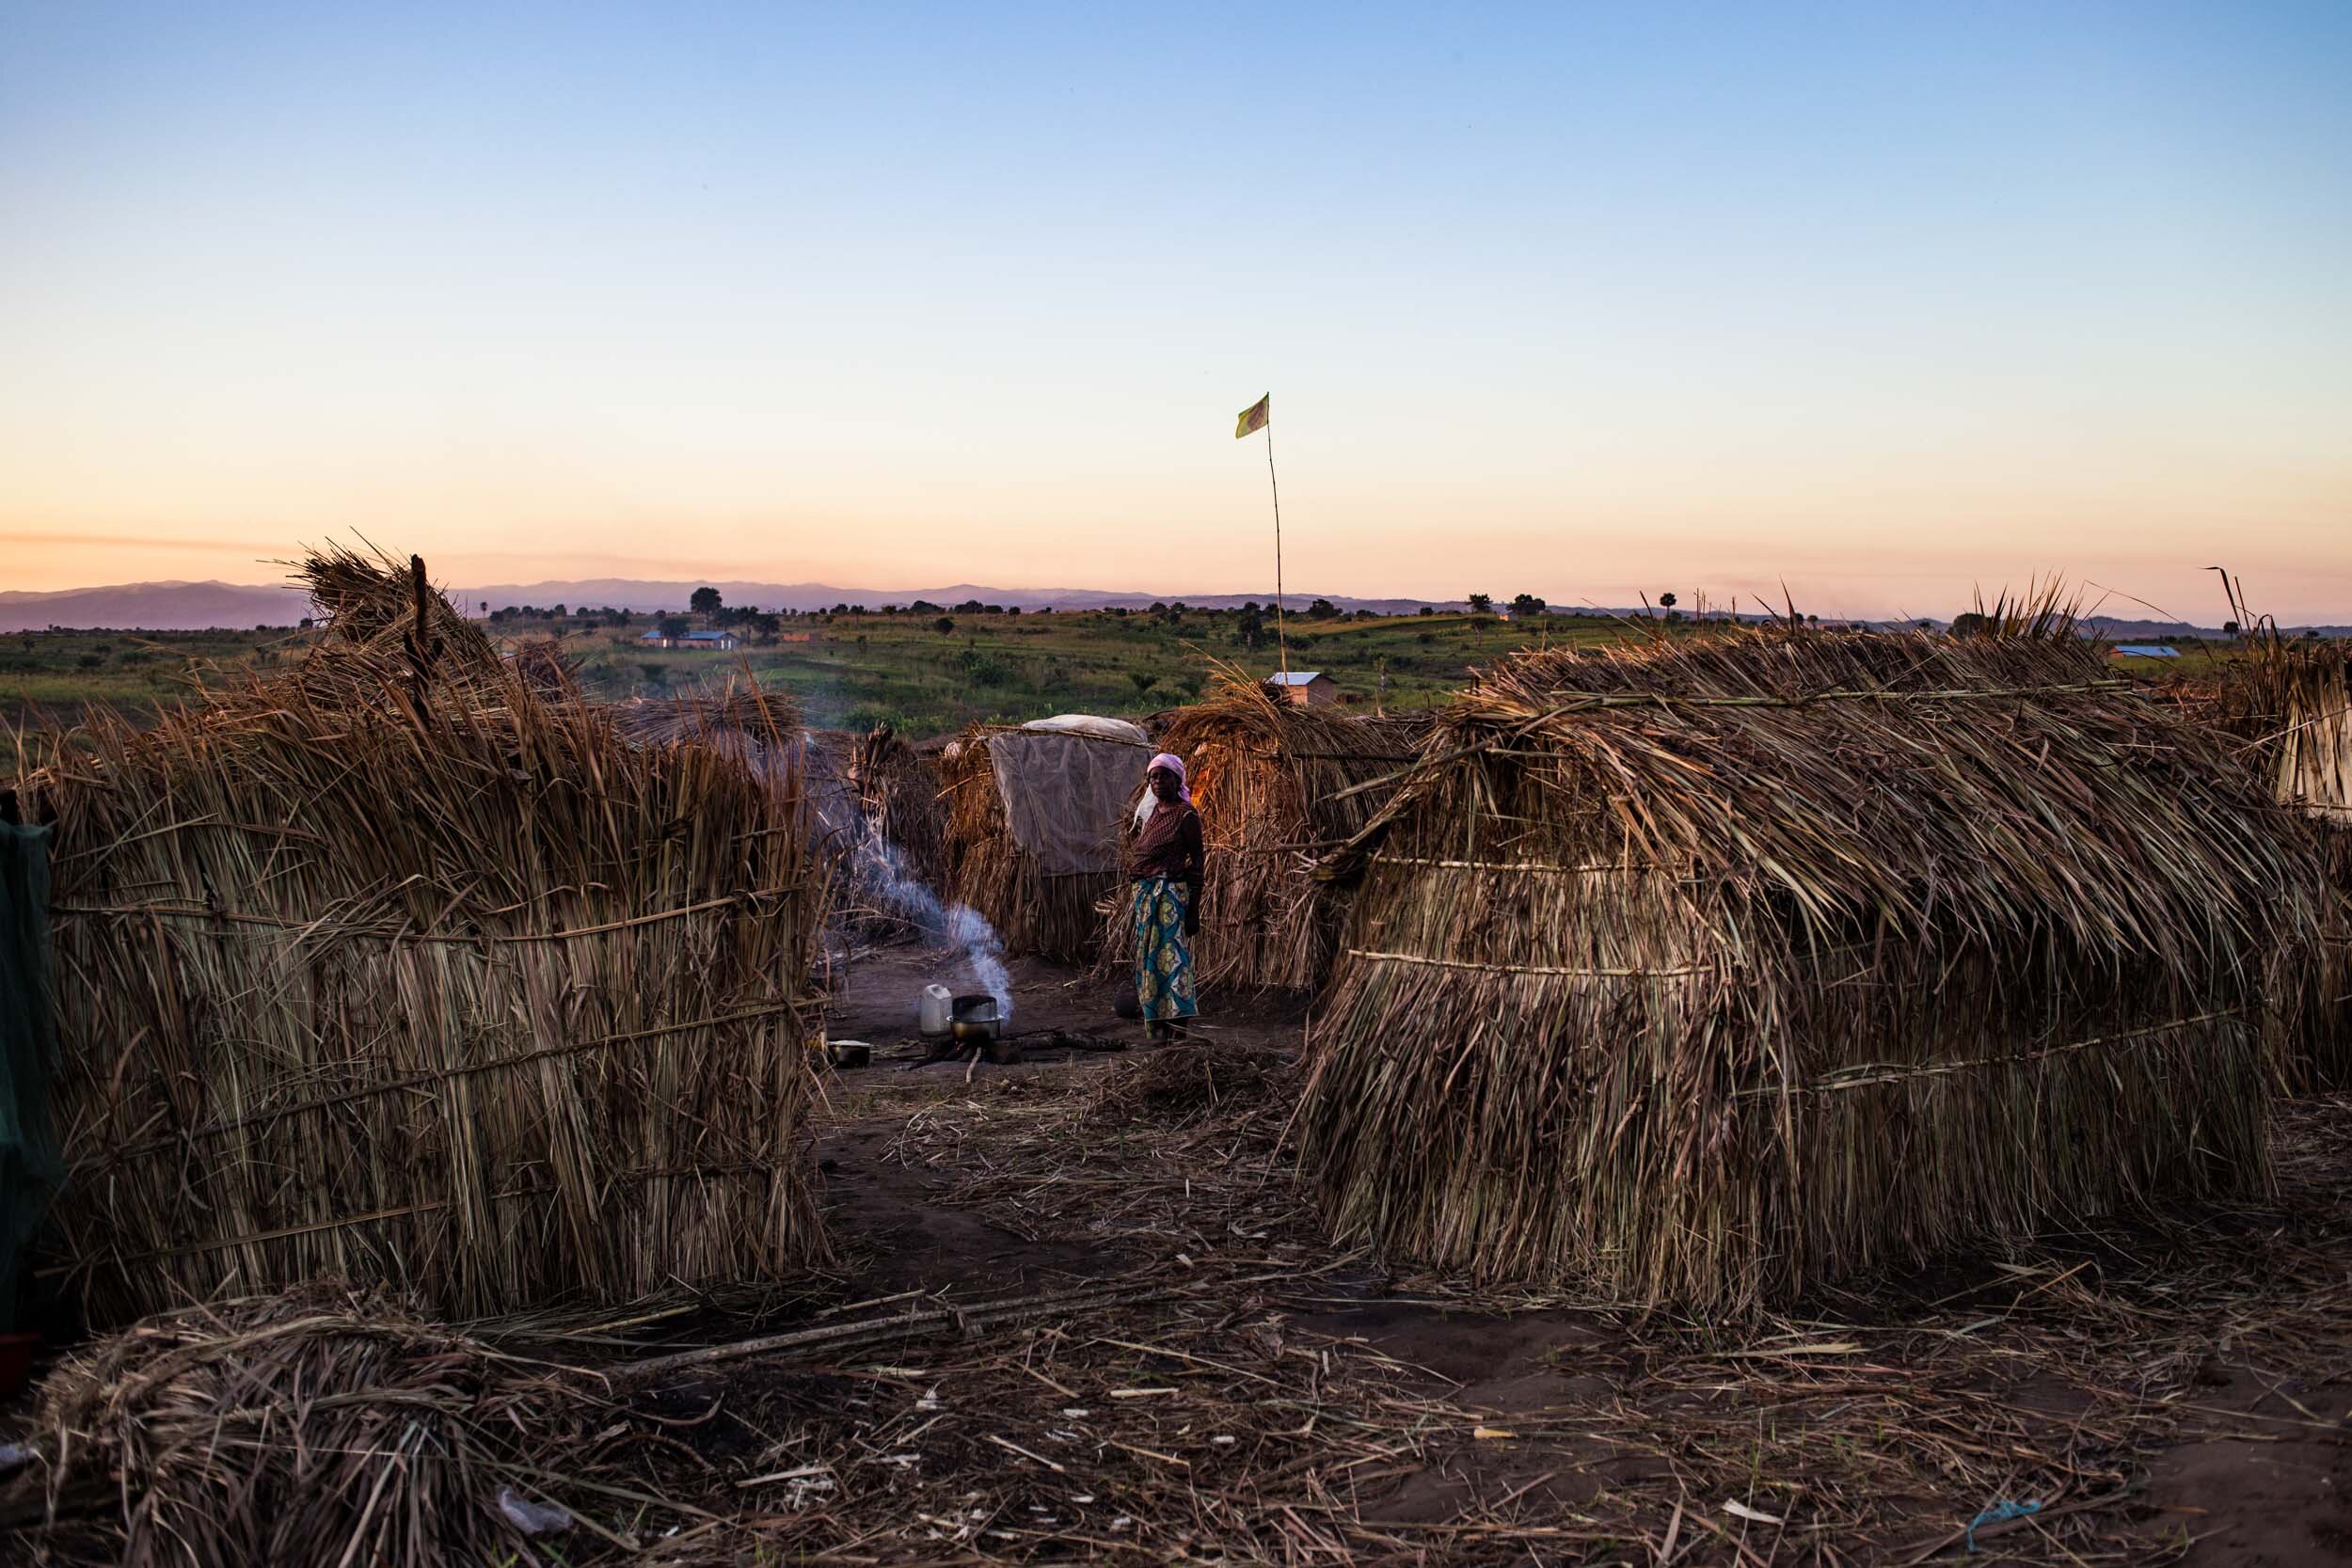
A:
(898, 791)
(1710, 968)
(458, 990)
(326, 1427)
(1277, 784)
(387, 633)
(1054, 916)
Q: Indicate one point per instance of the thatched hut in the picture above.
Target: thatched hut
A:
(2289, 704)
(1710, 968)
(457, 991)
(1033, 823)
(1277, 785)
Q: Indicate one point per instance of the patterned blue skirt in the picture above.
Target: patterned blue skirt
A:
(1163, 956)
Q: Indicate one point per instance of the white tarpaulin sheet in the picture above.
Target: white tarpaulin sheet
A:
(1067, 782)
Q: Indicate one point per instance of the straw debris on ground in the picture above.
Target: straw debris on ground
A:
(323, 1426)
(1181, 1085)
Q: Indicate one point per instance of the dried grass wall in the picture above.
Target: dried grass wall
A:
(2289, 706)
(1704, 971)
(468, 994)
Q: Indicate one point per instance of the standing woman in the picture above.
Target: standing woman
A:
(1165, 863)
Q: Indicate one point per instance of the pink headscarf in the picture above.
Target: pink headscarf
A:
(1175, 764)
(1150, 802)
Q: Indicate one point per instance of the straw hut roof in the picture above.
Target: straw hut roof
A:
(1712, 966)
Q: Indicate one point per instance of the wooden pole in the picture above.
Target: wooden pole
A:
(1281, 644)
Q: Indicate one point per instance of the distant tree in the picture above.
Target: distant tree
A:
(1427, 609)
(1667, 600)
(922, 607)
(1322, 609)
(944, 624)
(1481, 603)
(1249, 628)
(1160, 606)
(766, 628)
(672, 626)
(969, 606)
(1144, 681)
(1812, 620)
(703, 602)
(560, 613)
(890, 610)
(2229, 629)
(1969, 622)
(486, 609)
(1526, 603)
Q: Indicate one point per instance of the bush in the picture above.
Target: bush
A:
(983, 669)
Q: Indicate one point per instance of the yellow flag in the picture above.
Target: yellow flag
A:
(1255, 416)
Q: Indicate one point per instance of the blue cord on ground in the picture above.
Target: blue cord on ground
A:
(1997, 1514)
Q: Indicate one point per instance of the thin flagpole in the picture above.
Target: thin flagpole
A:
(1280, 642)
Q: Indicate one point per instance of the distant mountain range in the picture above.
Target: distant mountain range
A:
(154, 607)
(639, 594)
(196, 605)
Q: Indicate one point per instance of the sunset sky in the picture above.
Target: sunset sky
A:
(1584, 300)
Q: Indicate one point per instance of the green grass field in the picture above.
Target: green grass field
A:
(856, 671)
(54, 676)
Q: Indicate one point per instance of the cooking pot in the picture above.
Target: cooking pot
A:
(975, 1020)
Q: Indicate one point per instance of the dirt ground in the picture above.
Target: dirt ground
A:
(2176, 1390)
(1083, 1311)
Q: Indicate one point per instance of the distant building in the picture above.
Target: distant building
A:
(719, 642)
(1307, 687)
(2144, 650)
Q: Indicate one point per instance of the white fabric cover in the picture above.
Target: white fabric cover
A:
(1066, 782)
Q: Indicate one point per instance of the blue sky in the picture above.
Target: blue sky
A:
(1886, 300)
